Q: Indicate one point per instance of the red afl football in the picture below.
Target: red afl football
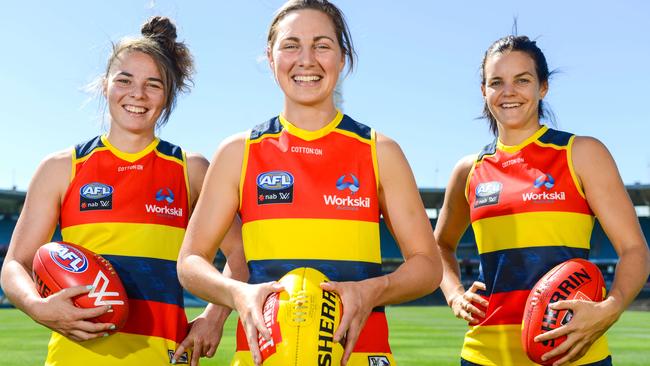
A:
(575, 279)
(60, 265)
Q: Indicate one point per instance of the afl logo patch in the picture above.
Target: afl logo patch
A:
(95, 196)
(96, 191)
(487, 193)
(69, 258)
(274, 187)
(276, 180)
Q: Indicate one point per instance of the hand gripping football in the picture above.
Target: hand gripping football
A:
(575, 279)
(302, 320)
(60, 265)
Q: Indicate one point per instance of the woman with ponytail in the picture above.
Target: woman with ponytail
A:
(532, 196)
(337, 177)
(142, 80)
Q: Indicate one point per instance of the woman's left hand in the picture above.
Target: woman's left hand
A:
(204, 335)
(590, 321)
(356, 298)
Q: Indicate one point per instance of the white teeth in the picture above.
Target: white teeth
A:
(134, 109)
(306, 78)
(510, 105)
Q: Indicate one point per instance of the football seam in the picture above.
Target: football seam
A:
(297, 347)
(302, 288)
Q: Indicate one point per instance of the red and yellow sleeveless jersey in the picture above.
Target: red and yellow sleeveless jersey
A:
(309, 199)
(529, 213)
(133, 210)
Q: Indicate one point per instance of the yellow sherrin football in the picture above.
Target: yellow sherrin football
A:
(302, 320)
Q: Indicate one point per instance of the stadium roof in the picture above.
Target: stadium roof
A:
(640, 194)
(11, 201)
(432, 197)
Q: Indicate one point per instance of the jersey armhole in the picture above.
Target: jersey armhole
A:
(373, 150)
(186, 173)
(73, 161)
(574, 176)
(73, 174)
(469, 177)
(244, 168)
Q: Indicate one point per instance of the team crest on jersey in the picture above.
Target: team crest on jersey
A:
(274, 187)
(95, 196)
(487, 193)
(378, 361)
(181, 360)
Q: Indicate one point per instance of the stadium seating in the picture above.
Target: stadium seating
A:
(602, 253)
(6, 228)
(7, 223)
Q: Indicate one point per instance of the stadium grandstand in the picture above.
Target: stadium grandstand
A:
(602, 253)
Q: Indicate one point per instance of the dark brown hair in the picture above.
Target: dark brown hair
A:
(335, 14)
(173, 59)
(525, 45)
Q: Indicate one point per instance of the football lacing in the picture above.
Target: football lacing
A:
(299, 307)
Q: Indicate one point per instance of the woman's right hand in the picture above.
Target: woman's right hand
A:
(58, 313)
(464, 305)
(249, 301)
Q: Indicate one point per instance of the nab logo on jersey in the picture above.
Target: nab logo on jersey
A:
(95, 196)
(70, 259)
(274, 187)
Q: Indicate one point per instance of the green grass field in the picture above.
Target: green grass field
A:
(420, 336)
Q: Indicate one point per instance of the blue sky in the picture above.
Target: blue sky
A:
(417, 79)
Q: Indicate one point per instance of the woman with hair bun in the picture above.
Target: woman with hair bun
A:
(143, 77)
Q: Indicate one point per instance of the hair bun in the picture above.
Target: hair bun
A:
(162, 29)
